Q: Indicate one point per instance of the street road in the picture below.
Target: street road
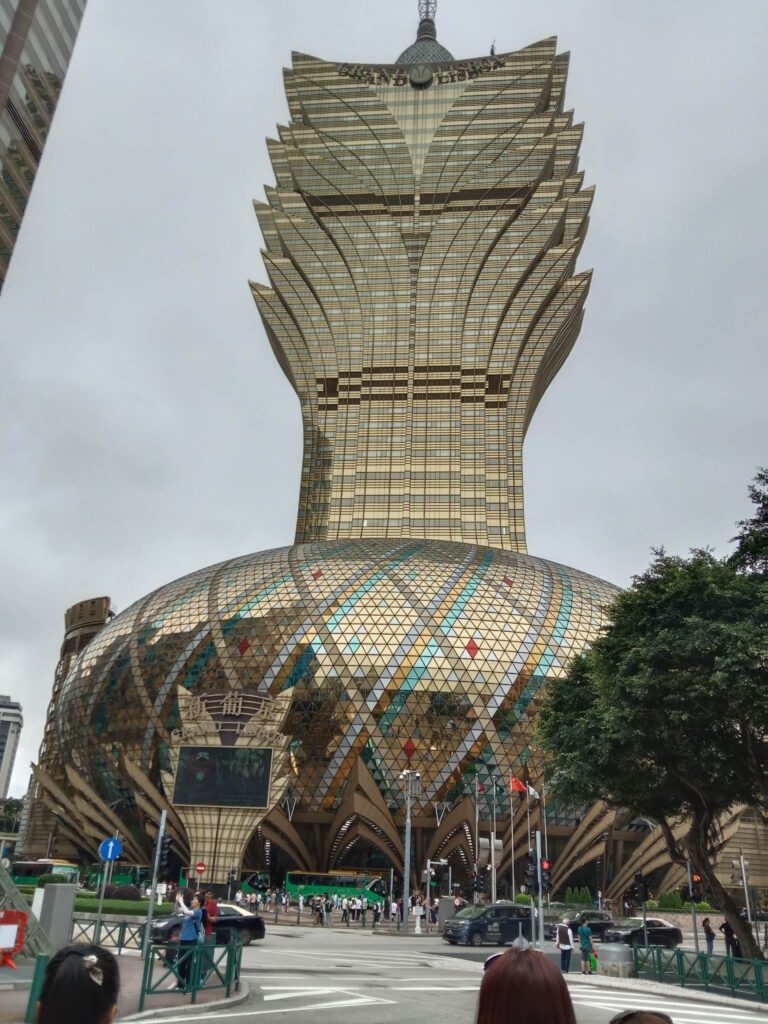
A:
(297, 972)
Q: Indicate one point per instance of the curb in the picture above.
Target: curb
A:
(671, 991)
(188, 1009)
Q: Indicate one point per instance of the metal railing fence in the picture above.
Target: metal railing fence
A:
(195, 968)
(726, 975)
(117, 935)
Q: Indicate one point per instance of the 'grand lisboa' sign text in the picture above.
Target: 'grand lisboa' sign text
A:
(459, 71)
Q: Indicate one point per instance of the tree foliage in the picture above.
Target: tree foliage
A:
(667, 714)
(751, 553)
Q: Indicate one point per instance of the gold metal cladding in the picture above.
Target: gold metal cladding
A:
(420, 246)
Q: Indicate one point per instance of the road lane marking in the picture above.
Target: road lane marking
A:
(432, 988)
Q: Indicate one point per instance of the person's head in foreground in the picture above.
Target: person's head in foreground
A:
(522, 986)
(81, 983)
(640, 1017)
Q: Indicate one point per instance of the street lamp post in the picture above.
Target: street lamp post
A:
(412, 779)
(493, 845)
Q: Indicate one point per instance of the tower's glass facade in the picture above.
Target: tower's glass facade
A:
(36, 42)
(421, 247)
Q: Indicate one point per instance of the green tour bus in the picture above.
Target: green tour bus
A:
(27, 872)
(122, 874)
(340, 883)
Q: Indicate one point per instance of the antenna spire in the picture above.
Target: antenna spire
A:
(427, 9)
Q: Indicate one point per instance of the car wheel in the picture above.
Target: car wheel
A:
(247, 938)
(451, 942)
(476, 939)
(501, 942)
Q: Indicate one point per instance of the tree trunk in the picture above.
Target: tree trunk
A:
(701, 860)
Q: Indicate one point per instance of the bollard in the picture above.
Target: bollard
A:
(41, 963)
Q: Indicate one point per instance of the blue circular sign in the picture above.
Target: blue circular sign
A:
(110, 849)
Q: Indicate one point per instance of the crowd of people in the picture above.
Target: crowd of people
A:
(519, 986)
(332, 908)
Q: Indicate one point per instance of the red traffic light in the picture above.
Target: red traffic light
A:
(695, 878)
(546, 865)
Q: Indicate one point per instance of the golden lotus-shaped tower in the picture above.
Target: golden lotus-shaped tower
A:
(421, 245)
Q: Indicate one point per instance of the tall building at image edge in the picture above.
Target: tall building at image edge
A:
(421, 242)
(36, 42)
(11, 722)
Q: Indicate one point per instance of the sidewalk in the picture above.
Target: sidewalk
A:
(13, 1003)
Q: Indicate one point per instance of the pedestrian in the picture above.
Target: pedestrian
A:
(239, 897)
(190, 928)
(363, 909)
(730, 938)
(709, 935)
(253, 901)
(565, 945)
(79, 976)
(345, 911)
(523, 986)
(585, 945)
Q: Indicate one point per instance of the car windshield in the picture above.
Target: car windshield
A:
(631, 922)
(469, 912)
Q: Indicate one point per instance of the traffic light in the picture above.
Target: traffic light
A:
(695, 887)
(165, 855)
(546, 874)
(481, 881)
(531, 880)
(473, 883)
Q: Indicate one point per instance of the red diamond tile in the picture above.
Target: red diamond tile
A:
(409, 749)
(316, 575)
(244, 645)
(507, 580)
(472, 648)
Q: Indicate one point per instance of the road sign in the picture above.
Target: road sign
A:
(200, 868)
(110, 849)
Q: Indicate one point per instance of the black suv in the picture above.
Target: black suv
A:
(500, 923)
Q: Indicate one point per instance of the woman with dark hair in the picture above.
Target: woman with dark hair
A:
(522, 986)
(82, 980)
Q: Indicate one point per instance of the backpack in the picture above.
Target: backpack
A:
(562, 935)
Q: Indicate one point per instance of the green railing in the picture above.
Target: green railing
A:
(117, 935)
(195, 968)
(747, 979)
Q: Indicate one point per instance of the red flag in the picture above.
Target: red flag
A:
(517, 785)
(480, 787)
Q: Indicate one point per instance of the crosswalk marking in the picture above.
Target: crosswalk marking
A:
(350, 998)
(683, 1011)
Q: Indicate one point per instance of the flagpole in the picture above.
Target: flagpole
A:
(512, 832)
(544, 814)
(477, 836)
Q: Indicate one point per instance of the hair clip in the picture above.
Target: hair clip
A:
(92, 966)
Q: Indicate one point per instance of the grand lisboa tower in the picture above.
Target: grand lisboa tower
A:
(421, 242)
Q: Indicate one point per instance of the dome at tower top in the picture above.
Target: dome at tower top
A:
(426, 49)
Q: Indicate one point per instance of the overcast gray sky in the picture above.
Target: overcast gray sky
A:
(147, 430)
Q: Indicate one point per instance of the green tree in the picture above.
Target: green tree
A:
(667, 715)
(751, 553)
(569, 898)
(585, 896)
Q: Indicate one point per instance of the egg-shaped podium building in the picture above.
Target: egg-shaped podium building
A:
(421, 242)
